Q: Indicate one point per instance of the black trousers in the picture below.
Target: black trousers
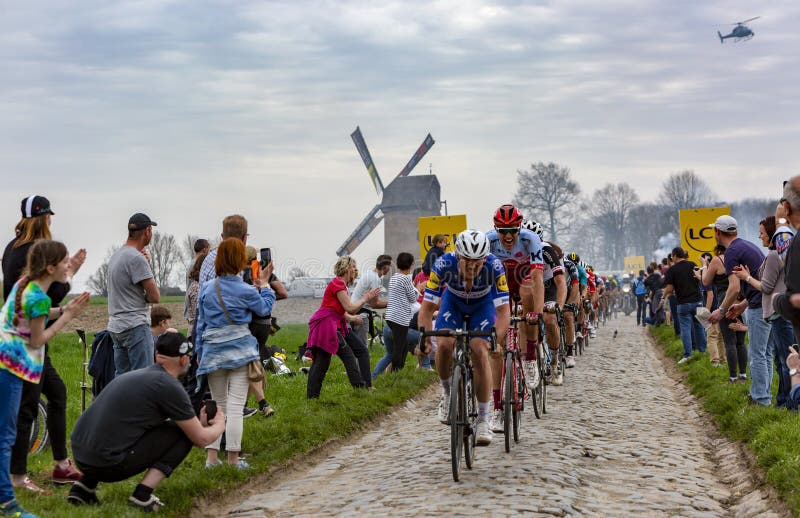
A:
(162, 448)
(52, 386)
(641, 308)
(361, 352)
(735, 350)
(322, 362)
(399, 351)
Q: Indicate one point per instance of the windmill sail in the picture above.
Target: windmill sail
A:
(423, 148)
(361, 146)
(361, 232)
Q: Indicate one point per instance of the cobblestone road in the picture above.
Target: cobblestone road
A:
(620, 438)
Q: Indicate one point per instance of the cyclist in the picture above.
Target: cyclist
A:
(573, 299)
(471, 282)
(592, 288)
(555, 294)
(520, 250)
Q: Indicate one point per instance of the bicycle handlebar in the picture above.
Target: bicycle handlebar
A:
(455, 333)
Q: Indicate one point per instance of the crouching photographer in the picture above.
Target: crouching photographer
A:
(142, 421)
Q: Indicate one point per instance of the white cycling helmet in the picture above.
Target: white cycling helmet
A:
(472, 244)
(625, 277)
(533, 226)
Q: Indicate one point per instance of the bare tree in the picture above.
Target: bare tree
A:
(651, 224)
(98, 281)
(165, 254)
(547, 190)
(685, 190)
(611, 209)
(187, 247)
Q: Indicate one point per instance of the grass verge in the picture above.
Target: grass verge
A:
(773, 434)
(297, 427)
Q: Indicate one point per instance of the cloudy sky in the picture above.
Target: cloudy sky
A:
(189, 111)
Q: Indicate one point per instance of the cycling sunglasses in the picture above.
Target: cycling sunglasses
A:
(512, 230)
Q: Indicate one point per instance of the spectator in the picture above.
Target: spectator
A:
(653, 283)
(400, 309)
(793, 362)
(437, 250)
(740, 253)
(160, 321)
(640, 291)
(201, 248)
(130, 288)
(235, 226)
(225, 344)
(672, 313)
(716, 343)
(735, 350)
(22, 339)
(142, 421)
(32, 227)
(772, 283)
(367, 281)
(192, 292)
(327, 329)
(788, 304)
(681, 281)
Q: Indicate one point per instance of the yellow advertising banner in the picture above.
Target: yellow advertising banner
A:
(696, 235)
(634, 263)
(450, 226)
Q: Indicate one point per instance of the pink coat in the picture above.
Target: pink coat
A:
(323, 327)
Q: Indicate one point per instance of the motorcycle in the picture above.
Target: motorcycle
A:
(628, 301)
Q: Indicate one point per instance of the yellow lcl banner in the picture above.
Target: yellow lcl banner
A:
(450, 226)
(696, 235)
(634, 263)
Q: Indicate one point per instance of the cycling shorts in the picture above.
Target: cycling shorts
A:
(451, 313)
(516, 274)
(550, 292)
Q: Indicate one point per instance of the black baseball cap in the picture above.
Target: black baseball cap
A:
(35, 205)
(140, 221)
(173, 344)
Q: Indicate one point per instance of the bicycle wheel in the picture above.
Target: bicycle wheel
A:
(542, 371)
(519, 393)
(470, 432)
(40, 438)
(457, 420)
(508, 398)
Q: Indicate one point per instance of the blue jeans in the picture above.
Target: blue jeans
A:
(388, 342)
(133, 349)
(692, 333)
(781, 336)
(760, 356)
(10, 395)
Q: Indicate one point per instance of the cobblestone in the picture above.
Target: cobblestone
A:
(620, 438)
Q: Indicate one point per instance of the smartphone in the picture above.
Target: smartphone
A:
(211, 408)
(266, 257)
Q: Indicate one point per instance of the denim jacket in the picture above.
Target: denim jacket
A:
(220, 343)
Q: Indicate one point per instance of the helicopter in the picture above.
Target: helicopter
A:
(740, 32)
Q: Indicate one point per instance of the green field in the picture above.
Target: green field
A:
(297, 426)
(772, 433)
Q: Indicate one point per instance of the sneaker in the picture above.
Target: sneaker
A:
(570, 362)
(248, 412)
(210, 465)
(742, 377)
(444, 408)
(13, 508)
(82, 495)
(66, 475)
(266, 410)
(733, 380)
(242, 464)
(683, 360)
(31, 486)
(497, 420)
(483, 435)
(151, 505)
(531, 374)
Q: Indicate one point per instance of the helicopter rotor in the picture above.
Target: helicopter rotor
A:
(746, 21)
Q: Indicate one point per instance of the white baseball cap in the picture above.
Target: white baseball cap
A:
(725, 224)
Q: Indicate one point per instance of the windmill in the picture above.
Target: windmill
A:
(402, 201)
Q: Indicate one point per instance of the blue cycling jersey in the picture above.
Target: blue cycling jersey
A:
(489, 284)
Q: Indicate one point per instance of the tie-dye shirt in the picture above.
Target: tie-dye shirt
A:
(15, 355)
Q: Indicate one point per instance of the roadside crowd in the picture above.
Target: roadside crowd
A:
(741, 304)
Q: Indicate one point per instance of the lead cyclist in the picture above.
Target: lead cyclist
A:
(471, 282)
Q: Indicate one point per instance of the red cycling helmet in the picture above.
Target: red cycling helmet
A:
(507, 216)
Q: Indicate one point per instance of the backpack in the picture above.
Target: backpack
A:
(101, 366)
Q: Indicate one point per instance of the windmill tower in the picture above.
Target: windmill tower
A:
(404, 200)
